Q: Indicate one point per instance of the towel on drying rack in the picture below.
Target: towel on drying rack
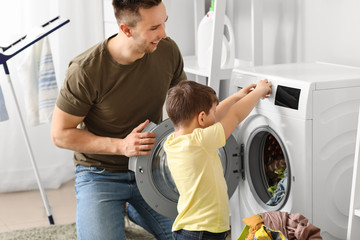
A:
(48, 89)
(37, 74)
(3, 111)
(28, 72)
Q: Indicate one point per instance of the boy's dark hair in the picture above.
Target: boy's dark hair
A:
(127, 11)
(188, 99)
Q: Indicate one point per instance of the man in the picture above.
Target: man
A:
(110, 93)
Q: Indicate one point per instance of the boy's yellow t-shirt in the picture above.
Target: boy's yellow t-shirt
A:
(197, 171)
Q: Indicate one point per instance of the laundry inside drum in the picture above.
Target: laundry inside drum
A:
(274, 167)
(267, 168)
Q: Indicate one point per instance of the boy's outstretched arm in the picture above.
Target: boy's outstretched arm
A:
(225, 104)
(243, 107)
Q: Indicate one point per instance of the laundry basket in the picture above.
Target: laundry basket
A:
(244, 233)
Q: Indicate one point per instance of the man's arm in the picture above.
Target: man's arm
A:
(65, 134)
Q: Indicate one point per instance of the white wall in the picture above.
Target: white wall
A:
(180, 24)
(299, 30)
(281, 30)
(331, 31)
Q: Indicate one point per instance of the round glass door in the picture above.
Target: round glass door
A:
(267, 168)
(161, 174)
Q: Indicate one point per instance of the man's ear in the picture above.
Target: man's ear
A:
(201, 119)
(125, 29)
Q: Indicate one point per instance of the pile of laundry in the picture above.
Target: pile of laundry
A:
(279, 226)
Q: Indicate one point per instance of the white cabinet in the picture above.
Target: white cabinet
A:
(212, 74)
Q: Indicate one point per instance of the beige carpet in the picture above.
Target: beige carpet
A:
(68, 232)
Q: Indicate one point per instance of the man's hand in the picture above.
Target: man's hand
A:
(137, 142)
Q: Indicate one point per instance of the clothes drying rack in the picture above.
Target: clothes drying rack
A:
(3, 59)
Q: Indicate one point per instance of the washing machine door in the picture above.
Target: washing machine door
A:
(266, 165)
(154, 179)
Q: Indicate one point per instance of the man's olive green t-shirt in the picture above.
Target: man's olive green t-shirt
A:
(117, 98)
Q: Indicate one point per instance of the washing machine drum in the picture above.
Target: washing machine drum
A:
(154, 179)
(268, 168)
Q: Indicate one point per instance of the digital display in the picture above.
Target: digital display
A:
(287, 97)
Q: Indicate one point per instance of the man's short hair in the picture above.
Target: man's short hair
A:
(187, 99)
(127, 11)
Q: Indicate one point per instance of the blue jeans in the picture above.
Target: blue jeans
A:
(198, 235)
(101, 196)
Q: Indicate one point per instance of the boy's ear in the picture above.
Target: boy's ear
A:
(125, 29)
(201, 119)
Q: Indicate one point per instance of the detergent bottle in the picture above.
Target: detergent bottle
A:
(205, 39)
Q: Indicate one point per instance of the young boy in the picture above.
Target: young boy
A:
(202, 125)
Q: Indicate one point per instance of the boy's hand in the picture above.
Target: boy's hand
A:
(245, 90)
(264, 87)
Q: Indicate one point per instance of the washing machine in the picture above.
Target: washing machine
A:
(297, 146)
(154, 179)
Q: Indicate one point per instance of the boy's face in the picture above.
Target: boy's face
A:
(210, 119)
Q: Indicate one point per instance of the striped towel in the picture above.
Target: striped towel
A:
(36, 73)
(48, 89)
(3, 112)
